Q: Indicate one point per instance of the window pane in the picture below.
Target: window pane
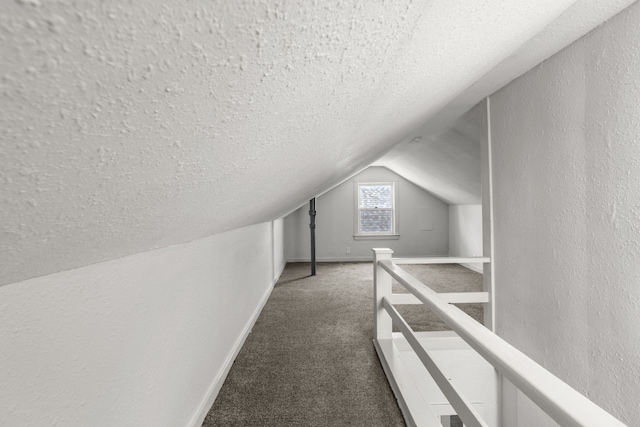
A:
(375, 196)
(376, 221)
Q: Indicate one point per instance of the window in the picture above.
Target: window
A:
(376, 209)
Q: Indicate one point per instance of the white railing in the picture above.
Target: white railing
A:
(564, 404)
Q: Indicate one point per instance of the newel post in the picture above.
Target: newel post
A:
(382, 325)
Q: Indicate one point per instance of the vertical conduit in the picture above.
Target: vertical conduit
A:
(312, 229)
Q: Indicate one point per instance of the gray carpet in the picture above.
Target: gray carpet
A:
(310, 361)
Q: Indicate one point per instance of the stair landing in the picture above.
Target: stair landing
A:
(419, 397)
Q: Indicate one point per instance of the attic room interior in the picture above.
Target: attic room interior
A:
(157, 161)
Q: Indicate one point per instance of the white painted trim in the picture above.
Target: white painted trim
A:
(469, 415)
(558, 399)
(488, 282)
(441, 260)
(488, 275)
(376, 236)
(218, 381)
(400, 261)
(473, 267)
(333, 259)
(387, 346)
(449, 297)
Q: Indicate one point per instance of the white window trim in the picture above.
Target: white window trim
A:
(358, 235)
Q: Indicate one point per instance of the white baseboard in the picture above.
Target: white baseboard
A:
(216, 385)
(473, 267)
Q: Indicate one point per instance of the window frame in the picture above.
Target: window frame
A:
(358, 233)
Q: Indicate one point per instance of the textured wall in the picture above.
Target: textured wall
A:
(335, 225)
(127, 126)
(567, 227)
(136, 341)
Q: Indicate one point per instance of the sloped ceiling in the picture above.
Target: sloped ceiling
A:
(442, 155)
(446, 164)
(127, 126)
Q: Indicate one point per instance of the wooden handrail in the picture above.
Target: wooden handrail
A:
(559, 400)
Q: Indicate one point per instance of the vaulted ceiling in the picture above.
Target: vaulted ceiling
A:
(446, 164)
(127, 126)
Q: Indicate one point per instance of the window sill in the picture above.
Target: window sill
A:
(376, 236)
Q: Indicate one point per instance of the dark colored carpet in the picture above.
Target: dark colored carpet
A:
(310, 360)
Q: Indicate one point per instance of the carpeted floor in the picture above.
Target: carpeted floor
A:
(310, 360)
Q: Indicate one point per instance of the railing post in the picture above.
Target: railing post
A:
(382, 326)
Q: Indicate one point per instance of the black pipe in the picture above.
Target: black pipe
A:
(312, 227)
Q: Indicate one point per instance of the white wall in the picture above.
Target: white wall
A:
(465, 232)
(141, 340)
(566, 162)
(335, 223)
(278, 248)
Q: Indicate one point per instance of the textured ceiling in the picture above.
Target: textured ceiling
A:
(446, 161)
(446, 164)
(127, 126)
